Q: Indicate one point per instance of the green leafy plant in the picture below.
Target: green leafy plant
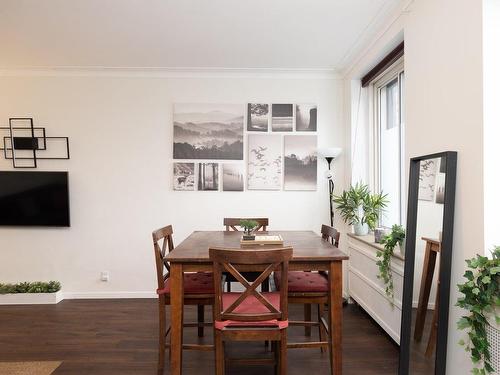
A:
(31, 287)
(395, 237)
(358, 205)
(248, 226)
(481, 298)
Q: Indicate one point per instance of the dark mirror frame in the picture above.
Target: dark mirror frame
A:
(445, 261)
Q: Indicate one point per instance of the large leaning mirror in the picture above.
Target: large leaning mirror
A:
(428, 254)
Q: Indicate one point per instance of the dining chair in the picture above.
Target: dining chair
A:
(250, 315)
(231, 224)
(310, 288)
(198, 290)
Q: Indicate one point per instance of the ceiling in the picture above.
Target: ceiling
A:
(270, 34)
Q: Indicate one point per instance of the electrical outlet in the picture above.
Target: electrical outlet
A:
(104, 276)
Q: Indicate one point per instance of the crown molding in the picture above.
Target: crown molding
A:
(66, 71)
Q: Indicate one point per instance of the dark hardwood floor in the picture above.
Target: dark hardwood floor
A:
(96, 337)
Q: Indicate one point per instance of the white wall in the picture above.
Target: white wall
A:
(491, 76)
(120, 130)
(443, 70)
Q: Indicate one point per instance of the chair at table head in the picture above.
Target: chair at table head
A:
(231, 260)
(231, 223)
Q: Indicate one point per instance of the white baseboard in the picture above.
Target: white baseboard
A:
(105, 295)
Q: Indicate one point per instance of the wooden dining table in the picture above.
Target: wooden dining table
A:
(310, 253)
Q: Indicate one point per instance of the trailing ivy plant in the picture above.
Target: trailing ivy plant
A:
(481, 299)
(358, 205)
(31, 287)
(395, 237)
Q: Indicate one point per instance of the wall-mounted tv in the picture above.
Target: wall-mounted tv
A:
(34, 199)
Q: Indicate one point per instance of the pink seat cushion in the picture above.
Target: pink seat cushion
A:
(194, 283)
(251, 305)
(303, 282)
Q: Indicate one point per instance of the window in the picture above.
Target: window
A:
(388, 95)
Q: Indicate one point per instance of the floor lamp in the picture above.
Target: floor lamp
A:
(330, 154)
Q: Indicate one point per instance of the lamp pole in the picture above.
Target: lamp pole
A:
(329, 159)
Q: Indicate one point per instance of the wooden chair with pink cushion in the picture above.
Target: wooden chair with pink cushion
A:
(251, 315)
(310, 288)
(198, 290)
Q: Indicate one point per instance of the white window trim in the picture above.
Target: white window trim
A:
(385, 77)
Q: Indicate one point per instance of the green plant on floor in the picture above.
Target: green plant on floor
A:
(31, 287)
(358, 205)
(248, 226)
(481, 299)
(395, 237)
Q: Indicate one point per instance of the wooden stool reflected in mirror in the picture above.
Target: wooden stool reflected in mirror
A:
(432, 248)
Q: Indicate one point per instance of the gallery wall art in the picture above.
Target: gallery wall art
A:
(306, 117)
(184, 176)
(264, 162)
(208, 131)
(209, 142)
(257, 117)
(282, 117)
(301, 163)
(233, 177)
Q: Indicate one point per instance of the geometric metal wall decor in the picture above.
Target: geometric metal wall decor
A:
(24, 143)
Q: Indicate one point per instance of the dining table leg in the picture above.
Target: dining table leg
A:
(335, 317)
(176, 317)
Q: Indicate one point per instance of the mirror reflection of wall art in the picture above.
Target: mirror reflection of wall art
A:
(427, 177)
(306, 117)
(282, 117)
(208, 131)
(233, 177)
(264, 162)
(300, 162)
(184, 176)
(208, 176)
(257, 117)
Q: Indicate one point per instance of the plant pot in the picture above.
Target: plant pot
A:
(31, 298)
(248, 237)
(401, 248)
(361, 229)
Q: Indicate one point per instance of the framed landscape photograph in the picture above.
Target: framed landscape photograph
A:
(257, 117)
(184, 176)
(282, 117)
(233, 177)
(208, 176)
(208, 131)
(301, 165)
(306, 117)
(264, 162)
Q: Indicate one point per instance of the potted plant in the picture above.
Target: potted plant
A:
(248, 226)
(360, 208)
(395, 238)
(27, 293)
(481, 300)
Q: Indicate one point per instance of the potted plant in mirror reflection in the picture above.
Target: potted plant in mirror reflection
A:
(36, 292)
(248, 227)
(481, 300)
(360, 208)
(395, 238)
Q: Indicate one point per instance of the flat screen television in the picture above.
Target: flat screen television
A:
(34, 199)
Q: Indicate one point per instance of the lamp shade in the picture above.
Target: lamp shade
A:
(330, 152)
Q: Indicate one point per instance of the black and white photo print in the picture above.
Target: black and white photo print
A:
(427, 179)
(233, 177)
(208, 176)
(301, 170)
(208, 131)
(306, 116)
(257, 117)
(264, 162)
(184, 176)
(282, 117)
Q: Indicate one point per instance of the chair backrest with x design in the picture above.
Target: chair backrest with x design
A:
(230, 260)
(330, 233)
(163, 244)
(231, 223)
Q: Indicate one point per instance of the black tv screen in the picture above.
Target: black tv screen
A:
(34, 199)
